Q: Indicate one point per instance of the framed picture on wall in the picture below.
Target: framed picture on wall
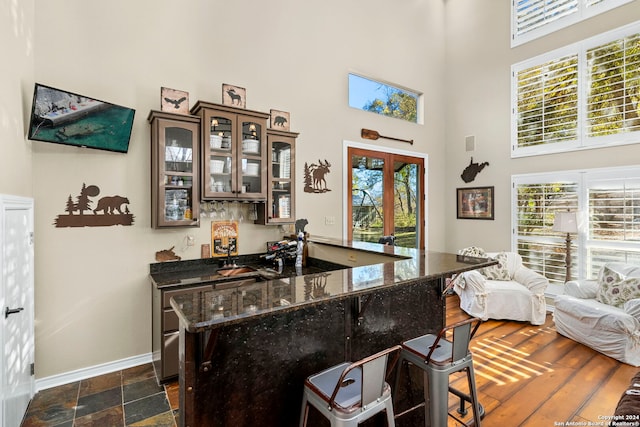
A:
(279, 120)
(475, 203)
(234, 95)
(174, 101)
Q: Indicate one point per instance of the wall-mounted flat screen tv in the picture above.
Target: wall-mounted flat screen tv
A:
(67, 118)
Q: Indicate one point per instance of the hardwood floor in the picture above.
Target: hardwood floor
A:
(532, 376)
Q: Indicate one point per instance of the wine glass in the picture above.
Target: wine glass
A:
(222, 211)
(241, 211)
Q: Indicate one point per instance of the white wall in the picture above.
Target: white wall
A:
(478, 67)
(93, 297)
(16, 87)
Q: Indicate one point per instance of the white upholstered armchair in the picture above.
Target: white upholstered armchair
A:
(604, 314)
(506, 291)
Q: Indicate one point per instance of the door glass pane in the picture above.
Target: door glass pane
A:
(281, 199)
(178, 153)
(219, 166)
(251, 175)
(251, 160)
(281, 160)
(367, 189)
(406, 206)
(178, 178)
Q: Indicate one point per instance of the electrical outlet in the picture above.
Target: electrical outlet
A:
(329, 220)
(190, 240)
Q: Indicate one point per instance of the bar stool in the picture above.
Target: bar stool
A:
(440, 357)
(350, 393)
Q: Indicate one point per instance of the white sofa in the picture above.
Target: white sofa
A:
(509, 291)
(587, 315)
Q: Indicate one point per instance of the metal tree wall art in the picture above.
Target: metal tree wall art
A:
(469, 173)
(110, 210)
(314, 177)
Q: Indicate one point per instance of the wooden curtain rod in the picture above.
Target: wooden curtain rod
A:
(372, 134)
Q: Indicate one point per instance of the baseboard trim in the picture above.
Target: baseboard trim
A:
(92, 371)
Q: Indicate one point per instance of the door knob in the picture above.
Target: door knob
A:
(8, 311)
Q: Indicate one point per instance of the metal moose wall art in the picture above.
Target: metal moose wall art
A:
(314, 176)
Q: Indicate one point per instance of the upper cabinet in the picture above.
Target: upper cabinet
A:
(174, 169)
(280, 205)
(234, 152)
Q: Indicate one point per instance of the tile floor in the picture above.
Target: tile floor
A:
(130, 397)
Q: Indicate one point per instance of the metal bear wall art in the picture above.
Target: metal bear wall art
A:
(110, 210)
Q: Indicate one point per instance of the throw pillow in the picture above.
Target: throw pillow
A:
(498, 271)
(495, 272)
(474, 251)
(615, 289)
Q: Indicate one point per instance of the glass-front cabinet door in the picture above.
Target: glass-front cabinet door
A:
(218, 165)
(175, 170)
(233, 152)
(280, 206)
(252, 149)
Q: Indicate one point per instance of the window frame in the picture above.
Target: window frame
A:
(582, 141)
(550, 238)
(583, 243)
(419, 96)
(583, 11)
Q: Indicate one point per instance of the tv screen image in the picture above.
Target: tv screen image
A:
(63, 117)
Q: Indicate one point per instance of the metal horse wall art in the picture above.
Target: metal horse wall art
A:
(314, 177)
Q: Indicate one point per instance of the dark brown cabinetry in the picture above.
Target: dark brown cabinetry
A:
(165, 326)
(234, 147)
(174, 170)
(235, 297)
(280, 205)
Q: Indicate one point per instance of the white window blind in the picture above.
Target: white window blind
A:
(586, 95)
(614, 220)
(614, 87)
(607, 203)
(541, 248)
(531, 19)
(548, 102)
(533, 14)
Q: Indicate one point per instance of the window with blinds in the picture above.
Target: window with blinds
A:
(607, 203)
(541, 248)
(531, 19)
(551, 113)
(548, 102)
(614, 221)
(614, 87)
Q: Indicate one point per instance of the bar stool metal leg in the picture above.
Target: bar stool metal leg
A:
(439, 357)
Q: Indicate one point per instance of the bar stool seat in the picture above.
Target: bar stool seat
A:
(349, 393)
(439, 357)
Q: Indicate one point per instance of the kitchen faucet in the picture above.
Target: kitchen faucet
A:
(229, 263)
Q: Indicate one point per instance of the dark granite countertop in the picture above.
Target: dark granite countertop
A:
(200, 271)
(225, 305)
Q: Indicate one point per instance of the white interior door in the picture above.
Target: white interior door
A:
(17, 317)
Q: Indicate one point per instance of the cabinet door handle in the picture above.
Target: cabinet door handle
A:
(8, 311)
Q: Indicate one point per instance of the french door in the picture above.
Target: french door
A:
(386, 197)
